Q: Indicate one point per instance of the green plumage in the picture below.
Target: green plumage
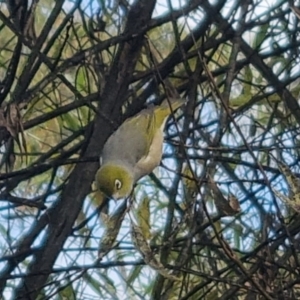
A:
(136, 147)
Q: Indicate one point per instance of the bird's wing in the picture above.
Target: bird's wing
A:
(131, 141)
(138, 141)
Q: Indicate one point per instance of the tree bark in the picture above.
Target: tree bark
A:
(64, 213)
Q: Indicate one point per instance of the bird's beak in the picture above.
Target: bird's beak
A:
(116, 196)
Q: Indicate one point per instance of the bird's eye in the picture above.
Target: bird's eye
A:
(118, 184)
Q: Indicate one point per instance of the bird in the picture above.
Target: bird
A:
(134, 150)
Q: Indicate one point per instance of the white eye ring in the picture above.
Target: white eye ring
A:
(118, 184)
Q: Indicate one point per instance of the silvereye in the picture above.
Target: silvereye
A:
(133, 150)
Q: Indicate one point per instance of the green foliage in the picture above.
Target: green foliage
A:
(219, 218)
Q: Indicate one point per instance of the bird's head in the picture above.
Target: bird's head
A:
(114, 181)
